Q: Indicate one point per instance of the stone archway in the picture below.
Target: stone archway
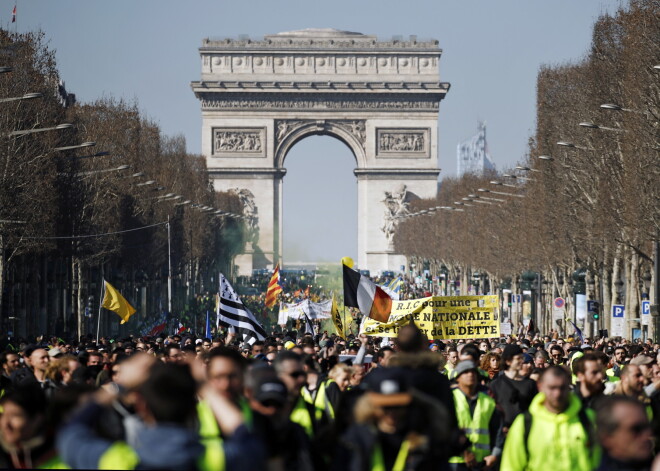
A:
(381, 98)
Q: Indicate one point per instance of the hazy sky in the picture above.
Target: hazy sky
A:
(147, 50)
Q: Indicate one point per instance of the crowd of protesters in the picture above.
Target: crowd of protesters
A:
(303, 402)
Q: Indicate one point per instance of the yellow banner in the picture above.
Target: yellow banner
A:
(336, 318)
(447, 317)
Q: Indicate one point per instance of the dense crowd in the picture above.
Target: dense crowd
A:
(303, 402)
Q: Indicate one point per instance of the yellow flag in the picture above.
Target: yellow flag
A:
(114, 301)
(336, 318)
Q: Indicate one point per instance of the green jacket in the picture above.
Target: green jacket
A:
(556, 441)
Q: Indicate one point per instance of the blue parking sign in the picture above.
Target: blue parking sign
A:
(618, 310)
(646, 308)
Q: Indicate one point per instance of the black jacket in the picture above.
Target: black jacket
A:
(512, 396)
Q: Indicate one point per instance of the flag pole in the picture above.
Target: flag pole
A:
(169, 268)
(98, 322)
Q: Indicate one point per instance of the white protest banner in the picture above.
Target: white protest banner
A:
(291, 311)
(319, 310)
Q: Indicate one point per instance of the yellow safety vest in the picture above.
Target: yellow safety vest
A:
(208, 425)
(475, 426)
(321, 400)
(54, 463)
(301, 415)
(378, 461)
(121, 456)
(611, 377)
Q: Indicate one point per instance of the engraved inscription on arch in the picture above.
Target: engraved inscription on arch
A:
(396, 143)
(239, 142)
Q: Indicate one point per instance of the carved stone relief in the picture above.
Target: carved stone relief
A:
(396, 206)
(250, 213)
(247, 142)
(281, 102)
(285, 127)
(402, 142)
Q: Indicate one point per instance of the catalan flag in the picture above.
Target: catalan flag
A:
(274, 287)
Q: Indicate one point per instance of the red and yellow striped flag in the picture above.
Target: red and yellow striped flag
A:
(274, 287)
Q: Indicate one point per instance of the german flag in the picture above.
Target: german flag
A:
(274, 287)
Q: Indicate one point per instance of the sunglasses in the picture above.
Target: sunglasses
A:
(271, 403)
(297, 374)
(639, 428)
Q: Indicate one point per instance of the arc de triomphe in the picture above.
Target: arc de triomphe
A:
(380, 98)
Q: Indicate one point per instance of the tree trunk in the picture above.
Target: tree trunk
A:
(632, 292)
(3, 323)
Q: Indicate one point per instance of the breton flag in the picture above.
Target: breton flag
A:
(115, 302)
(274, 287)
(233, 314)
(13, 15)
(361, 292)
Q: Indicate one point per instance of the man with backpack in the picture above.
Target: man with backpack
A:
(556, 433)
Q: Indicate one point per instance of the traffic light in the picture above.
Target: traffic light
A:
(596, 316)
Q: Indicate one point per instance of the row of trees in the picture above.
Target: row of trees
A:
(56, 194)
(590, 184)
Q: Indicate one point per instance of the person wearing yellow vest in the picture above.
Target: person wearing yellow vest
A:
(165, 398)
(452, 361)
(556, 433)
(632, 385)
(329, 390)
(478, 418)
(590, 373)
(618, 362)
(225, 370)
(289, 368)
(396, 428)
(287, 444)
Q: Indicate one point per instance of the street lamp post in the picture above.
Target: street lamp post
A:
(33, 131)
(486, 190)
(27, 96)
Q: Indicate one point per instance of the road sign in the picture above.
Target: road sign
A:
(558, 308)
(618, 311)
(646, 312)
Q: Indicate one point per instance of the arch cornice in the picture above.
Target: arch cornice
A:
(350, 132)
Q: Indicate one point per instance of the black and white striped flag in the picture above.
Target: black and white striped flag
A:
(309, 327)
(233, 313)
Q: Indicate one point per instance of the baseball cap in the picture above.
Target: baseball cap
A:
(29, 350)
(289, 345)
(54, 352)
(270, 389)
(464, 366)
(388, 387)
(641, 360)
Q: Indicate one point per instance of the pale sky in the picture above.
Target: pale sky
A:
(146, 51)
